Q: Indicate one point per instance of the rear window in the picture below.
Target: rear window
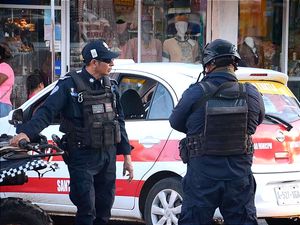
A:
(283, 106)
(279, 100)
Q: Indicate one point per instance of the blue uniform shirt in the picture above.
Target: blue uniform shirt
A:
(64, 99)
(190, 123)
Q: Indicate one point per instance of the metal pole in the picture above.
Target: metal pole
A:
(139, 31)
(52, 40)
(285, 38)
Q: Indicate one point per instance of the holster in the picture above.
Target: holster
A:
(250, 148)
(183, 151)
(64, 146)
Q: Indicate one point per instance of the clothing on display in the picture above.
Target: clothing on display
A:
(122, 28)
(180, 48)
(249, 53)
(151, 48)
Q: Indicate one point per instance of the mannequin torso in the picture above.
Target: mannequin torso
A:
(180, 48)
(151, 48)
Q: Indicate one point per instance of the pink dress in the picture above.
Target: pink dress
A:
(7, 86)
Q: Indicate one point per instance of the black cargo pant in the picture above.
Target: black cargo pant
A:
(202, 196)
(92, 184)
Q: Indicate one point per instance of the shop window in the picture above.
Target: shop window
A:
(260, 33)
(294, 39)
(294, 86)
(30, 2)
(185, 31)
(116, 22)
(25, 31)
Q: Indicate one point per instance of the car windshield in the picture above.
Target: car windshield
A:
(282, 106)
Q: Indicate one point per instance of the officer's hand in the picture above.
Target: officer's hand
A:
(15, 140)
(127, 166)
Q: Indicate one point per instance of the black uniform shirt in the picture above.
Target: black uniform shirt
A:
(64, 99)
(186, 121)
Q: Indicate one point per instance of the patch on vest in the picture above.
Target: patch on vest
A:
(73, 93)
(98, 108)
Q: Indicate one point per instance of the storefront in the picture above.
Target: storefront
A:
(265, 31)
(25, 26)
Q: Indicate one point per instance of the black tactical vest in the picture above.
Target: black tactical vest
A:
(226, 117)
(101, 127)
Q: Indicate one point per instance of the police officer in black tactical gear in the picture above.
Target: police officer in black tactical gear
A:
(94, 128)
(218, 116)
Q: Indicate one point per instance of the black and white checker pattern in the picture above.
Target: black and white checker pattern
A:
(36, 164)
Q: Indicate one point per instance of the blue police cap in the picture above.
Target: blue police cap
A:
(97, 49)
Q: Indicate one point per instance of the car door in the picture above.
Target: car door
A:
(49, 189)
(147, 104)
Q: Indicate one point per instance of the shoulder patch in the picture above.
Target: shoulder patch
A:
(68, 75)
(64, 77)
(55, 89)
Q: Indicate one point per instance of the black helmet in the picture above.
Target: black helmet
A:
(220, 49)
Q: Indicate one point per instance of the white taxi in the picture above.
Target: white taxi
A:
(149, 93)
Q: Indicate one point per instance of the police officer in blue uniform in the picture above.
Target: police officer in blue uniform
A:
(94, 127)
(218, 116)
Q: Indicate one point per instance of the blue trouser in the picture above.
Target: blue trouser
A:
(202, 196)
(92, 184)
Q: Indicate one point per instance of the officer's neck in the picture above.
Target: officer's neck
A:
(92, 72)
(228, 69)
(225, 69)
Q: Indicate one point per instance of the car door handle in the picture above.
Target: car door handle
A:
(148, 141)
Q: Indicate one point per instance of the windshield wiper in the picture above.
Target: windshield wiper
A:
(278, 120)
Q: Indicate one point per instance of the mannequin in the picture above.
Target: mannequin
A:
(122, 28)
(151, 47)
(180, 48)
(249, 53)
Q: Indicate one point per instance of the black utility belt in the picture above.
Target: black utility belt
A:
(81, 144)
(193, 146)
(189, 147)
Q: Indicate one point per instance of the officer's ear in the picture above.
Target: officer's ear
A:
(210, 67)
(93, 62)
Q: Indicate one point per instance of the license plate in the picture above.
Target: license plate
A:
(288, 194)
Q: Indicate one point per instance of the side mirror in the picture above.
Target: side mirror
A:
(17, 117)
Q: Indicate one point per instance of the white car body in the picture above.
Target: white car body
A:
(155, 156)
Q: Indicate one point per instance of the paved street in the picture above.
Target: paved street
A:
(62, 220)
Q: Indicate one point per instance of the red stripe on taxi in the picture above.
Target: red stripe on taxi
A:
(61, 186)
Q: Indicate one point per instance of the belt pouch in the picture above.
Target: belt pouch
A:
(183, 150)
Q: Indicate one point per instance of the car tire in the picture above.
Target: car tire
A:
(282, 221)
(163, 203)
(17, 211)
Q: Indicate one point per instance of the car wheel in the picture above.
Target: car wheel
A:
(16, 211)
(282, 221)
(163, 203)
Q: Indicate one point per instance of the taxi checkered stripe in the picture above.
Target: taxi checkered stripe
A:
(32, 165)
